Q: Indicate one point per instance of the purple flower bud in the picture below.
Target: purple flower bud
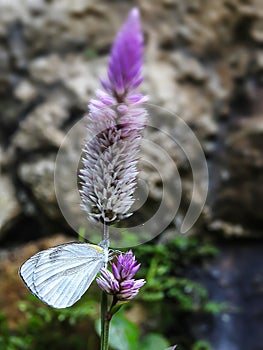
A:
(120, 282)
(115, 123)
(127, 284)
(107, 282)
(126, 265)
(129, 289)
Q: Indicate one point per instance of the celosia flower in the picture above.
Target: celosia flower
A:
(120, 281)
(115, 123)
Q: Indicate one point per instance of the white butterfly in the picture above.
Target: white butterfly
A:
(60, 275)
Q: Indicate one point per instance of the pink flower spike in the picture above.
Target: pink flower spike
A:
(116, 120)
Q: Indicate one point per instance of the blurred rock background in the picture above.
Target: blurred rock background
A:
(203, 61)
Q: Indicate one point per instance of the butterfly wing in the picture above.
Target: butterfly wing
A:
(26, 272)
(59, 276)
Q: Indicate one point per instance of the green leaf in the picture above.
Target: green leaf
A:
(124, 334)
(214, 307)
(17, 343)
(154, 342)
(201, 345)
(153, 296)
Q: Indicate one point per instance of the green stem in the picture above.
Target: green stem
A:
(105, 319)
(105, 322)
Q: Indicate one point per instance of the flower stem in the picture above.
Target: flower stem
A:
(106, 233)
(105, 322)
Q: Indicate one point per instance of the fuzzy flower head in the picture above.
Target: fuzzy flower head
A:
(120, 281)
(116, 119)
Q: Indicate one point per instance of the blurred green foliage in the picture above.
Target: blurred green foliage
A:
(125, 335)
(164, 267)
(45, 327)
(201, 345)
(172, 298)
(169, 297)
(70, 328)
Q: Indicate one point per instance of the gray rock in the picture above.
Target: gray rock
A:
(188, 67)
(257, 30)
(46, 69)
(38, 175)
(51, 59)
(41, 128)
(25, 91)
(9, 205)
(239, 198)
(259, 61)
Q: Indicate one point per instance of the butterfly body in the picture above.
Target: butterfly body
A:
(60, 275)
